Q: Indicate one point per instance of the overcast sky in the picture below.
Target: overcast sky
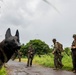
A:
(36, 19)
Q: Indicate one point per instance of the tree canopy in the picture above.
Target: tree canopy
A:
(39, 46)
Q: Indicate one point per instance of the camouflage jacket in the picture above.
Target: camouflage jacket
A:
(74, 43)
(73, 46)
(57, 47)
(31, 51)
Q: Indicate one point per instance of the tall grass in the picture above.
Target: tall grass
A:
(48, 61)
(3, 71)
(45, 60)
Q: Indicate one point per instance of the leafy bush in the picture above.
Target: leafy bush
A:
(67, 51)
(39, 46)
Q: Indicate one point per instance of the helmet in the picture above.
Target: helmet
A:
(74, 35)
(54, 39)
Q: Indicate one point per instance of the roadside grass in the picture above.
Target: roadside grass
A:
(3, 71)
(48, 61)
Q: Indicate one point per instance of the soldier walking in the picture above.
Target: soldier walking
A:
(19, 55)
(58, 48)
(73, 48)
(30, 55)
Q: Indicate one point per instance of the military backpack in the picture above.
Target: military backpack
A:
(60, 46)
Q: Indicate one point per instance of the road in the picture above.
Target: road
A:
(17, 68)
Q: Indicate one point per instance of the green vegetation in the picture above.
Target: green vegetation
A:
(3, 71)
(48, 61)
(39, 46)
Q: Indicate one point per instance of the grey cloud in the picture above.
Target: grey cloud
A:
(40, 20)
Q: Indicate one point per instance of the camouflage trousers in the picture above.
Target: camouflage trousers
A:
(74, 59)
(58, 60)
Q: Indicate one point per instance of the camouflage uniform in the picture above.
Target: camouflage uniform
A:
(19, 55)
(57, 56)
(73, 48)
(30, 55)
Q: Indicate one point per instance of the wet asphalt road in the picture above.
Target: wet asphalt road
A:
(17, 68)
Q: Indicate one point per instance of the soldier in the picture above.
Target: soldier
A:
(31, 53)
(73, 48)
(19, 55)
(57, 54)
